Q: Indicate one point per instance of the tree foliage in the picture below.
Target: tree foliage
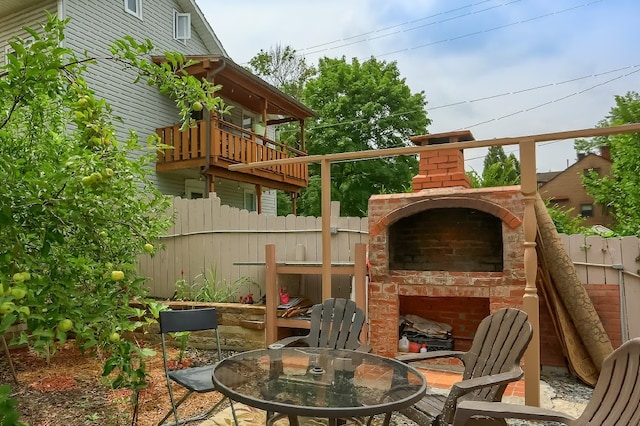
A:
(76, 207)
(361, 106)
(283, 68)
(498, 170)
(565, 220)
(620, 191)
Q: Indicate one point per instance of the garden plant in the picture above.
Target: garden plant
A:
(77, 208)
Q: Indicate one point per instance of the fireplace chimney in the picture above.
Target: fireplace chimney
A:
(442, 167)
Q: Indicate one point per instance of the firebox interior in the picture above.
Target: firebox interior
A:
(447, 239)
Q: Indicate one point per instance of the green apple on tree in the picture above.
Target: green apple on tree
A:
(149, 248)
(65, 325)
(18, 293)
(7, 308)
(114, 337)
(21, 276)
(197, 106)
(117, 275)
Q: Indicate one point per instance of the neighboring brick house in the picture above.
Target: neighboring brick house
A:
(565, 188)
(199, 163)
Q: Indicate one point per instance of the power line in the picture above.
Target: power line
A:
(391, 27)
(513, 150)
(555, 100)
(529, 89)
(557, 12)
(406, 30)
(488, 30)
(515, 92)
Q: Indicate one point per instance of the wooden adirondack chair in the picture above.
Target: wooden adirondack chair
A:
(489, 366)
(336, 324)
(615, 400)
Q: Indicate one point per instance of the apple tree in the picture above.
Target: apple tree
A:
(76, 208)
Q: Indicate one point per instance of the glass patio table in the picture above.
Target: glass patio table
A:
(313, 382)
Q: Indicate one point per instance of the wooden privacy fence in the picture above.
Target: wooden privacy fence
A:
(208, 236)
(611, 261)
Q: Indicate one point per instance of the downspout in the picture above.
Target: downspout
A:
(258, 188)
(207, 159)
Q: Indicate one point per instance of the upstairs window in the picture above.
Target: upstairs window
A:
(181, 26)
(133, 7)
(586, 210)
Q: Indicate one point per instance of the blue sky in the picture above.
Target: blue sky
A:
(497, 67)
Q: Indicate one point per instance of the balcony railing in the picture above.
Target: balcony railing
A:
(229, 144)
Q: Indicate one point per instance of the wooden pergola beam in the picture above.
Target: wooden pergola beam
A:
(410, 150)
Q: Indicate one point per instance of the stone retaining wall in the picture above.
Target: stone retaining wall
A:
(241, 327)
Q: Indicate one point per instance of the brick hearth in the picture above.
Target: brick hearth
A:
(446, 252)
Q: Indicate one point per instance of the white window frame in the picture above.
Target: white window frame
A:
(196, 186)
(587, 210)
(137, 12)
(185, 19)
(8, 50)
(249, 200)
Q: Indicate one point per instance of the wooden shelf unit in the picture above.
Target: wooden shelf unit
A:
(357, 269)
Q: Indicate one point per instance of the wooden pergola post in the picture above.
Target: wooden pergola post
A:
(325, 188)
(529, 188)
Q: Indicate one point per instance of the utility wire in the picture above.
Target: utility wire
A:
(310, 51)
(406, 30)
(485, 31)
(392, 26)
(512, 150)
(554, 100)
(499, 95)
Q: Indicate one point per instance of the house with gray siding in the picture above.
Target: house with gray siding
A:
(198, 163)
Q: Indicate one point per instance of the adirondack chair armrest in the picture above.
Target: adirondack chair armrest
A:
(363, 348)
(424, 356)
(464, 387)
(288, 341)
(468, 409)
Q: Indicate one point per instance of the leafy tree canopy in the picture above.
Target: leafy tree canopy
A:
(361, 106)
(283, 68)
(565, 220)
(499, 170)
(621, 190)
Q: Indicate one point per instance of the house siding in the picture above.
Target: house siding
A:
(93, 27)
(567, 190)
(141, 107)
(12, 25)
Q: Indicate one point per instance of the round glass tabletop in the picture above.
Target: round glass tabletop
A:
(318, 382)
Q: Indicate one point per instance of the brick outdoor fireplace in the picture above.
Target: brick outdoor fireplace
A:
(445, 252)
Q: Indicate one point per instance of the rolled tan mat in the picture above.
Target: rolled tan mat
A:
(578, 359)
(574, 297)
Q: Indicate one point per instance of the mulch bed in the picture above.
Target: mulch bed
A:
(71, 391)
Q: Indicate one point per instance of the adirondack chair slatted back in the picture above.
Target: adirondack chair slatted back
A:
(336, 324)
(615, 400)
(498, 345)
(616, 397)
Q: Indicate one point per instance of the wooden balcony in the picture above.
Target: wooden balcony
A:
(230, 144)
